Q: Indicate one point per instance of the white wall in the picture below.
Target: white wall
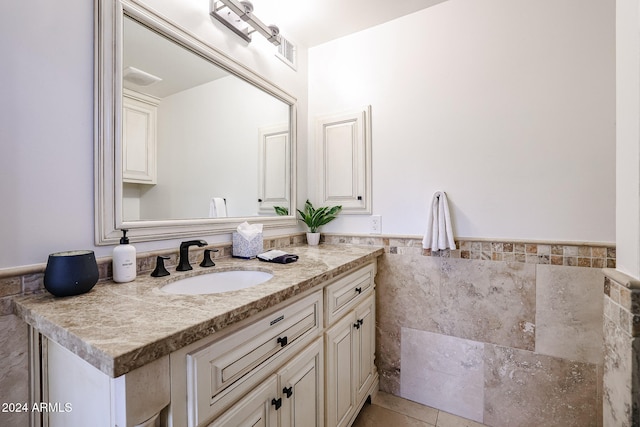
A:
(208, 148)
(514, 99)
(46, 120)
(628, 137)
(507, 105)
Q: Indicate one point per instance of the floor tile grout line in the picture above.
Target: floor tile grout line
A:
(409, 416)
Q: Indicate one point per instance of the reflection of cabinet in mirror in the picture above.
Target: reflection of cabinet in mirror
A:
(274, 175)
(132, 36)
(344, 160)
(139, 127)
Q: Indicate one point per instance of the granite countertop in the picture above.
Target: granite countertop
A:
(118, 327)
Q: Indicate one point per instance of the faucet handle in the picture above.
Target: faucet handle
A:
(207, 261)
(160, 270)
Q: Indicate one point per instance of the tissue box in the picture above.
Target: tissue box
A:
(244, 248)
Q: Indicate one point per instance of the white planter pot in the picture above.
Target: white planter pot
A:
(313, 238)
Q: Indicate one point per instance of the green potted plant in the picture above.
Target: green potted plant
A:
(314, 218)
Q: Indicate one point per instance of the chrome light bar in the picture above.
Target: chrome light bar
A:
(238, 17)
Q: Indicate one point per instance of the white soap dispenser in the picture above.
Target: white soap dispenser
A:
(124, 260)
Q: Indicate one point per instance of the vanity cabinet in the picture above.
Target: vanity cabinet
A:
(292, 397)
(310, 363)
(139, 128)
(268, 370)
(306, 362)
(82, 395)
(350, 346)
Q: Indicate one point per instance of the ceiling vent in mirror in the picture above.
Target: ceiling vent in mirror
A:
(139, 77)
(287, 52)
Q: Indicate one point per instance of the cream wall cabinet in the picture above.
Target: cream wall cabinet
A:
(139, 129)
(344, 160)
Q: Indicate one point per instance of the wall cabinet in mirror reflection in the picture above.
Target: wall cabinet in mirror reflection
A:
(214, 130)
(209, 138)
(139, 118)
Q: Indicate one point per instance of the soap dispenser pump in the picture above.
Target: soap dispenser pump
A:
(124, 260)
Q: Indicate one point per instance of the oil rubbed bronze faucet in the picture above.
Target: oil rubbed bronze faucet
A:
(183, 262)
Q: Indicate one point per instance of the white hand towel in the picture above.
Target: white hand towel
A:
(218, 208)
(439, 233)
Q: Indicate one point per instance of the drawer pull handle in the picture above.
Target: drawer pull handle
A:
(277, 403)
(359, 290)
(288, 391)
(358, 323)
(282, 341)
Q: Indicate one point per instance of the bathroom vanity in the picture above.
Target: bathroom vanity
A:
(295, 350)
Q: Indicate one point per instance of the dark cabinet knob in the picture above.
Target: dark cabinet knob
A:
(277, 403)
(288, 391)
(282, 341)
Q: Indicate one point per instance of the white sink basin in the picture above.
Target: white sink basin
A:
(216, 283)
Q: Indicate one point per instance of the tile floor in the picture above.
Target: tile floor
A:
(389, 410)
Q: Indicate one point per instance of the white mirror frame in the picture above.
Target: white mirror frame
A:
(108, 129)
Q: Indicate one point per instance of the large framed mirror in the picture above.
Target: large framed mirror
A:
(188, 141)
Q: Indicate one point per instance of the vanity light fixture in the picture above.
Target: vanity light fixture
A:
(238, 17)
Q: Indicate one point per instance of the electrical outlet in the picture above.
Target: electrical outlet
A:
(375, 226)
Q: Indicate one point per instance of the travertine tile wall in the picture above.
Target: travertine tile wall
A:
(499, 332)
(14, 375)
(505, 333)
(621, 388)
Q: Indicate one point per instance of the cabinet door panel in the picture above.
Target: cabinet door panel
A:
(274, 173)
(340, 396)
(344, 160)
(365, 347)
(221, 372)
(139, 117)
(255, 409)
(302, 387)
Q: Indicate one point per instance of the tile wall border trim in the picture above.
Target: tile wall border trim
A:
(574, 254)
(622, 302)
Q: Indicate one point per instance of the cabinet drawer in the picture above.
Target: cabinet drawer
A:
(347, 292)
(221, 372)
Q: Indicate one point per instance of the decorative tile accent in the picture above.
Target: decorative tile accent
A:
(577, 255)
(622, 307)
(10, 286)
